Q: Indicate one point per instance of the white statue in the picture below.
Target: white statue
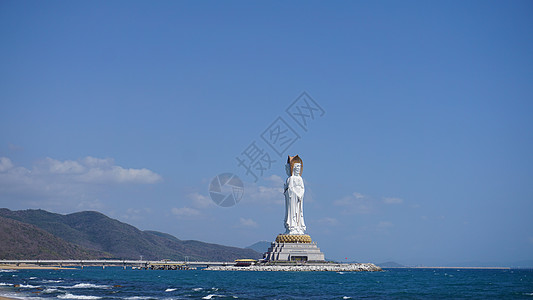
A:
(294, 196)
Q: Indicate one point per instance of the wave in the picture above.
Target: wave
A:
(197, 289)
(138, 298)
(170, 290)
(50, 290)
(29, 286)
(52, 281)
(210, 296)
(72, 296)
(5, 284)
(87, 286)
(7, 270)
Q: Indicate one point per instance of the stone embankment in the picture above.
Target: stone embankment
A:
(307, 267)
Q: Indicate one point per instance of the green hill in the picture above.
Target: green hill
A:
(96, 231)
(260, 247)
(24, 241)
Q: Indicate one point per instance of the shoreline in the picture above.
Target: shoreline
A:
(462, 268)
(366, 267)
(31, 267)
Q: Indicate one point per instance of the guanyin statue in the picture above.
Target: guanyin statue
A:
(294, 196)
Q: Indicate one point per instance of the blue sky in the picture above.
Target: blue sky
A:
(423, 154)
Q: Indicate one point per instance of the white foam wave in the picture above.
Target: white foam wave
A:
(87, 286)
(210, 296)
(197, 289)
(72, 296)
(52, 281)
(137, 298)
(29, 286)
(5, 284)
(170, 290)
(50, 290)
(7, 270)
(346, 297)
(33, 277)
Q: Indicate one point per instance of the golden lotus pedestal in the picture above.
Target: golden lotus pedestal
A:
(294, 247)
(293, 238)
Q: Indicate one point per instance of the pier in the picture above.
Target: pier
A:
(136, 264)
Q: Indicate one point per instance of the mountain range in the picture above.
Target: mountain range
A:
(39, 234)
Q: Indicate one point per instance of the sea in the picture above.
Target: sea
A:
(116, 283)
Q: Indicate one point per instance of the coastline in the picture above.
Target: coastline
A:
(31, 267)
(367, 267)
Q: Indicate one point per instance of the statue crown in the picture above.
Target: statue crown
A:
(291, 160)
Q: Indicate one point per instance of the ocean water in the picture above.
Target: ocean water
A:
(115, 283)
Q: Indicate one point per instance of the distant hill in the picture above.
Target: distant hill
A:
(95, 231)
(24, 241)
(260, 247)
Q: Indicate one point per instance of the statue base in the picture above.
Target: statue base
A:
(294, 247)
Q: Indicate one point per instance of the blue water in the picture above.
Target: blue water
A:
(116, 283)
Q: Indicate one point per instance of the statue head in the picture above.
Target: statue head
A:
(294, 166)
(297, 170)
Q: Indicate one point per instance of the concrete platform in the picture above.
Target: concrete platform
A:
(294, 252)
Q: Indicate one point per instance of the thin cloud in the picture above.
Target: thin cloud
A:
(185, 212)
(5, 164)
(392, 200)
(384, 225)
(15, 148)
(329, 221)
(248, 222)
(355, 203)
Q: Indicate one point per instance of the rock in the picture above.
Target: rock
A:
(302, 268)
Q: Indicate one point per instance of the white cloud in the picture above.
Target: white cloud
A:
(5, 164)
(355, 204)
(136, 213)
(329, 221)
(358, 195)
(117, 174)
(90, 205)
(271, 193)
(185, 212)
(275, 180)
(199, 200)
(247, 222)
(392, 200)
(87, 170)
(68, 181)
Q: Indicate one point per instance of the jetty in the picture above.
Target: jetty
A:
(237, 265)
(134, 264)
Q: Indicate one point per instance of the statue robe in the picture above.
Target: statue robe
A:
(294, 194)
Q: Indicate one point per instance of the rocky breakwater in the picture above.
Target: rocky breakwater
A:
(301, 268)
